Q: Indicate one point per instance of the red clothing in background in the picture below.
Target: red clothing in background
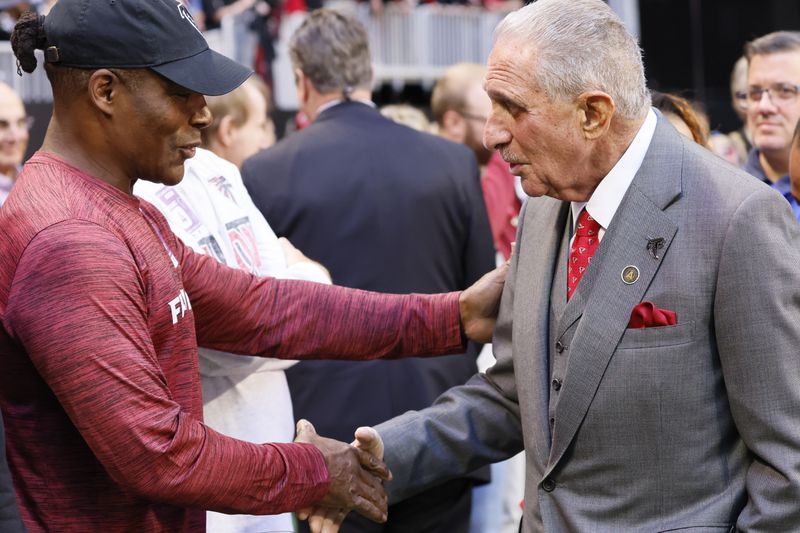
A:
(502, 204)
(102, 309)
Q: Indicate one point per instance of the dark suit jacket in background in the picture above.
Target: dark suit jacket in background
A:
(10, 521)
(384, 208)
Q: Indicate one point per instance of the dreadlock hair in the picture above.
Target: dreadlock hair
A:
(28, 36)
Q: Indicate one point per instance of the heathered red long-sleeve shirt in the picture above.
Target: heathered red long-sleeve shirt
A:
(102, 309)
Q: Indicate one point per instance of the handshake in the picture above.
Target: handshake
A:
(357, 474)
(357, 471)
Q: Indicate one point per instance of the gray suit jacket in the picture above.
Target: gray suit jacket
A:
(695, 425)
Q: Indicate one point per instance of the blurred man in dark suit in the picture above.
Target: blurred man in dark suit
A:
(385, 208)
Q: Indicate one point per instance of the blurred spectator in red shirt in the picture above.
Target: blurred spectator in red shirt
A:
(461, 107)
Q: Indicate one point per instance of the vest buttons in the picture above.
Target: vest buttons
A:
(560, 346)
(556, 384)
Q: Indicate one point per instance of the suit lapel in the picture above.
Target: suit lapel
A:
(558, 298)
(603, 301)
(538, 251)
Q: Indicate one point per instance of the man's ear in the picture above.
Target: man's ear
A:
(596, 110)
(225, 131)
(454, 126)
(104, 88)
(302, 83)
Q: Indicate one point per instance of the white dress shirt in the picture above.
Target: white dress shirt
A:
(605, 199)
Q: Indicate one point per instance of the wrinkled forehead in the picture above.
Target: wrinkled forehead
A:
(511, 61)
(512, 49)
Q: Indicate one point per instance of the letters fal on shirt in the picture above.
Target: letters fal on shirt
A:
(179, 305)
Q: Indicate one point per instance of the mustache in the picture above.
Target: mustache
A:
(509, 157)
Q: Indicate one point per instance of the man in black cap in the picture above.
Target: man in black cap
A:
(102, 307)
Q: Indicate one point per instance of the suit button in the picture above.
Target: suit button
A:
(549, 484)
(552, 422)
(556, 384)
(560, 346)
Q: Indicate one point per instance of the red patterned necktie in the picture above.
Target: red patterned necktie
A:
(583, 247)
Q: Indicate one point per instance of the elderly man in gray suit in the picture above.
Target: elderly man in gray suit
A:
(648, 344)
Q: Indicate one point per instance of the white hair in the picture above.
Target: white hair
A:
(581, 45)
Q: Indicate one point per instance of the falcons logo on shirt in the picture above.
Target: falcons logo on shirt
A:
(223, 186)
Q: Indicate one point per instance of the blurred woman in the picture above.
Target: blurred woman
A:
(683, 115)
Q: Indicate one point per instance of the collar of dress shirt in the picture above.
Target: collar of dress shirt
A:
(332, 103)
(608, 195)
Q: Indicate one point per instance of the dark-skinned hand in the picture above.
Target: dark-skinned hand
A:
(480, 303)
(329, 519)
(356, 480)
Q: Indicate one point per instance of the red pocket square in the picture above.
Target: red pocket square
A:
(647, 315)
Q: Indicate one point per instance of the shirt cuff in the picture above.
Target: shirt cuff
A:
(307, 477)
(454, 337)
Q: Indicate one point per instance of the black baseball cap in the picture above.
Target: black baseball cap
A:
(157, 34)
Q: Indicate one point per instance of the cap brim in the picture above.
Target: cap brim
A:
(208, 73)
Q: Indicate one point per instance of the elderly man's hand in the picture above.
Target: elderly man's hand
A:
(328, 520)
(356, 480)
(479, 305)
(367, 439)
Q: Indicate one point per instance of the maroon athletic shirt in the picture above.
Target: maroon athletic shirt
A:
(102, 309)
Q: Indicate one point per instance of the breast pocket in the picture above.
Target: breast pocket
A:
(657, 337)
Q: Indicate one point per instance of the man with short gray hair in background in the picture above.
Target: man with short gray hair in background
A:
(384, 208)
(773, 107)
(648, 333)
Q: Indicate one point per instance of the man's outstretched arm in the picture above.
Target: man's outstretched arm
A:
(240, 313)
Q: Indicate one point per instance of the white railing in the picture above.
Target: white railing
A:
(408, 46)
(33, 88)
(418, 45)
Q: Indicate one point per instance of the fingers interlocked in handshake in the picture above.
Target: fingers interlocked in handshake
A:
(357, 473)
